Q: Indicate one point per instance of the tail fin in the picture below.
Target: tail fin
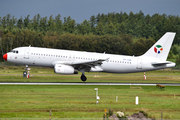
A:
(161, 48)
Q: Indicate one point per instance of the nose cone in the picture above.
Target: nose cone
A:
(5, 56)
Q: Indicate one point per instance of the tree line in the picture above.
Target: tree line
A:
(117, 33)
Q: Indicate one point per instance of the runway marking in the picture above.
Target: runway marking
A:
(84, 83)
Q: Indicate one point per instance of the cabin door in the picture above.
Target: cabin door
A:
(26, 53)
(139, 63)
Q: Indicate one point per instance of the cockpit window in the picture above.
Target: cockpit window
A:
(14, 51)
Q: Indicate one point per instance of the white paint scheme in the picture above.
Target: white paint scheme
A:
(89, 61)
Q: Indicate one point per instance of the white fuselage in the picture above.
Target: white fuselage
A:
(47, 57)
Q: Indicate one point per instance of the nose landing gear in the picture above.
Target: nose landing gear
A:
(25, 72)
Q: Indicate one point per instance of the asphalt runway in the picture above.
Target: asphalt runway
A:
(88, 83)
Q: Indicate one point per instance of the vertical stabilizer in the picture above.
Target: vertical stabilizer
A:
(161, 48)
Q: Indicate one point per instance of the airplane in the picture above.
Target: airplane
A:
(70, 62)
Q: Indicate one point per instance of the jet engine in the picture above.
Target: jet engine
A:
(64, 69)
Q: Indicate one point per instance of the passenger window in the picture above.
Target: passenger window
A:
(16, 51)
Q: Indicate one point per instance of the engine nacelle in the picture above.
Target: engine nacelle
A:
(64, 69)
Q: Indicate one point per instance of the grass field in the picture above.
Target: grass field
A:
(35, 101)
(79, 101)
(14, 74)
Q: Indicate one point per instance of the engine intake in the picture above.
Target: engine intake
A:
(64, 69)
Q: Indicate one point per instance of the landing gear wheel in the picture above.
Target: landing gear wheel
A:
(24, 74)
(83, 78)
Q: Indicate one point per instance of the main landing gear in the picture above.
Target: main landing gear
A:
(83, 77)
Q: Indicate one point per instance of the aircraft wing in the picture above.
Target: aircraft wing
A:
(86, 65)
(90, 63)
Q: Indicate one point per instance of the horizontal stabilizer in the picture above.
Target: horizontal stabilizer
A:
(161, 63)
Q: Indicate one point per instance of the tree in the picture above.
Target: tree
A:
(121, 28)
(58, 22)
(35, 23)
(100, 29)
(86, 28)
(38, 40)
(20, 23)
(139, 47)
(111, 29)
(26, 21)
(51, 25)
(92, 24)
(3, 22)
(1, 43)
(43, 24)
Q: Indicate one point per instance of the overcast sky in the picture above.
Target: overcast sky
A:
(80, 10)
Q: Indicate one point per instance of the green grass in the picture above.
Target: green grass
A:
(14, 74)
(35, 101)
